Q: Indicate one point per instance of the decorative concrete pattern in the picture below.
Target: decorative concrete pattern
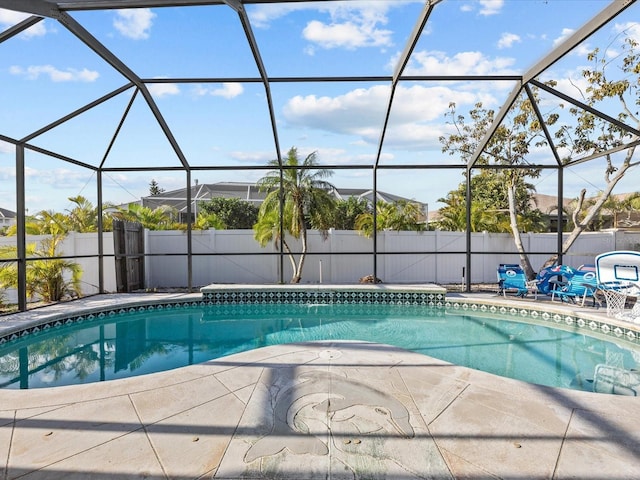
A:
(342, 410)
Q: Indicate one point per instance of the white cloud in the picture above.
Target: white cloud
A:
(59, 177)
(508, 39)
(348, 113)
(487, 7)
(325, 155)
(632, 29)
(9, 18)
(573, 84)
(228, 90)
(581, 50)
(463, 63)
(360, 112)
(6, 147)
(160, 90)
(566, 33)
(252, 157)
(491, 7)
(414, 135)
(262, 15)
(134, 24)
(348, 35)
(350, 24)
(341, 156)
(419, 103)
(33, 72)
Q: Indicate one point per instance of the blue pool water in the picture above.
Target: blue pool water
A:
(130, 344)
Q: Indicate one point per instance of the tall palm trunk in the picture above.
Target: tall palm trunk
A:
(297, 274)
(292, 259)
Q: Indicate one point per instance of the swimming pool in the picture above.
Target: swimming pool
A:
(528, 344)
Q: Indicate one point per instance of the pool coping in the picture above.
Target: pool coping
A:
(202, 420)
(198, 421)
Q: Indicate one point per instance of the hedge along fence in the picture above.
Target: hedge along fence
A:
(233, 256)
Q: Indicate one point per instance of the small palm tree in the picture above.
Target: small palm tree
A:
(267, 229)
(204, 221)
(83, 217)
(305, 195)
(453, 216)
(47, 276)
(45, 222)
(399, 216)
(160, 218)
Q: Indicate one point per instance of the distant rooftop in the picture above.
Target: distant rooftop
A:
(4, 213)
(249, 192)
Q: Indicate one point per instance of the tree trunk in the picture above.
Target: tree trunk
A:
(580, 226)
(513, 221)
(298, 272)
(291, 258)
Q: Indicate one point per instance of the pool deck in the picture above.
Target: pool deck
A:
(334, 410)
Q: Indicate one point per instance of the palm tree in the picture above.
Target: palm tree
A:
(267, 228)
(160, 218)
(205, 221)
(45, 222)
(46, 275)
(305, 196)
(402, 215)
(453, 216)
(346, 212)
(83, 217)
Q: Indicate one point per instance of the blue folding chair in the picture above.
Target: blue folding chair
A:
(511, 276)
(580, 285)
(549, 277)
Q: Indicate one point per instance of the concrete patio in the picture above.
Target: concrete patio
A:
(334, 410)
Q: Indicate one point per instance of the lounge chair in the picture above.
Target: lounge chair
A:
(548, 277)
(511, 276)
(579, 286)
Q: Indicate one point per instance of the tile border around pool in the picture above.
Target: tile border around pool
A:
(559, 317)
(432, 297)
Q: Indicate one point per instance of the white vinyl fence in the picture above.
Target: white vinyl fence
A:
(345, 256)
(233, 256)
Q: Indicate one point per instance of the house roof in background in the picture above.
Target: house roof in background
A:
(548, 204)
(7, 213)
(249, 192)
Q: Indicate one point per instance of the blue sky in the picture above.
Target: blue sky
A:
(47, 73)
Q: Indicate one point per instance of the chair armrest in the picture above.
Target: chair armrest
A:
(558, 284)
